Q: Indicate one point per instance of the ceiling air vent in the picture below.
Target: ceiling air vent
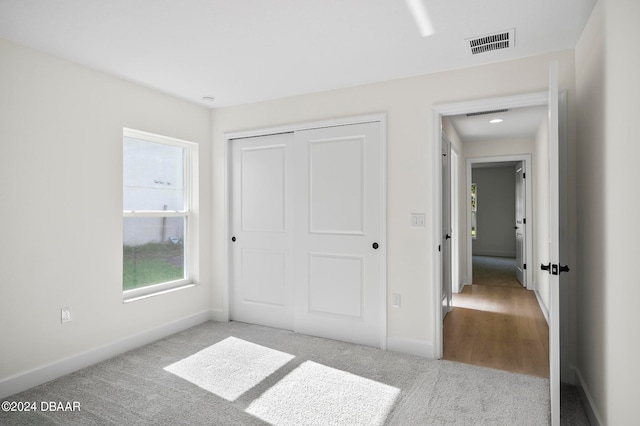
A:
(494, 111)
(487, 43)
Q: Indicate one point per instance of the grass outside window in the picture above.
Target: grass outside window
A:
(152, 263)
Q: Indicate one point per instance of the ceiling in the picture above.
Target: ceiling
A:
(518, 123)
(241, 51)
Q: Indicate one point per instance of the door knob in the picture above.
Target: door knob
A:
(375, 246)
(446, 237)
(546, 267)
(233, 239)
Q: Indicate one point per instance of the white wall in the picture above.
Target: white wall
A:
(591, 175)
(408, 103)
(496, 213)
(498, 147)
(607, 66)
(61, 222)
(620, 248)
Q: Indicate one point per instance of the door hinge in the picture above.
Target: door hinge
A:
(524, 221)
(525, 266)
(524, 176)
(439, 248)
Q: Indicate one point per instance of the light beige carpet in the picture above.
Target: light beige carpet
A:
(284, 378)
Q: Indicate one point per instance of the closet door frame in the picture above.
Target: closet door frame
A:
(223, 314)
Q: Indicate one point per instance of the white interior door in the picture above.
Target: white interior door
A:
(446, 227)
(262, 230)
(455, 225)
(339, 253)
(556, 265)
(520, 226)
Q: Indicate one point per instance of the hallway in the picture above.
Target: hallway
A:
(497, 323)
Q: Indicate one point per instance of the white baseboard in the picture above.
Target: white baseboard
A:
(461, 287)
(37, 376)
(410, 346)
(587, 401)
(543, 308)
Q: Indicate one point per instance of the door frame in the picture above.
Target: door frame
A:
(455, 221)
(527, 161)
(439, 111)
(224, 313)
(447, 246)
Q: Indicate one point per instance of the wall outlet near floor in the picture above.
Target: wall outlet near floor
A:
(65, 314)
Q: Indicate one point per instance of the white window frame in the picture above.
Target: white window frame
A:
(188, 213)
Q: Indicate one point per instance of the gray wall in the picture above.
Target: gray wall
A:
(496, 213)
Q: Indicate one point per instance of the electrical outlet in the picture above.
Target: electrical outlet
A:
(65, 314)
(395, 300)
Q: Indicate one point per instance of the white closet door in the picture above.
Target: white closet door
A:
(338, 252)
(262, 227)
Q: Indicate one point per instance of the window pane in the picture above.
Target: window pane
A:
(153, 251)
(153, 176)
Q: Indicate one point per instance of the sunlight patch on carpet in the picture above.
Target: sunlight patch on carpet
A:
(230, 367)
(314, 394)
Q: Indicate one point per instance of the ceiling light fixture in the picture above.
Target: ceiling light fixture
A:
(421, 15)
(208, 98)
(496, 121)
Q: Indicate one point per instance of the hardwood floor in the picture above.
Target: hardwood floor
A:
(500, 327)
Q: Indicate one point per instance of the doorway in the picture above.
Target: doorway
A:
(472, 107)
(554, 144)
(513, 232)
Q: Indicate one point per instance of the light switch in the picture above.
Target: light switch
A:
(417, 220)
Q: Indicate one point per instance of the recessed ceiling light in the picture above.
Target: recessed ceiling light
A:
(421, 15)
(496, 121)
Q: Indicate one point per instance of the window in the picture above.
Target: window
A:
(158, 198)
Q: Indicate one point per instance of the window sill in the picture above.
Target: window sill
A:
(155, 290)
